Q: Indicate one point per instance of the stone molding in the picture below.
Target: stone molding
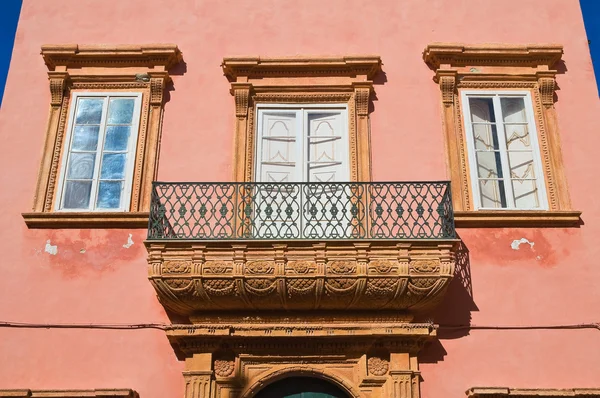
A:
(456, 54)
(499, 392)
(74, 67)
(193, 277)
(25, 393)
(302, 80)
(261, 67)
(501, 67)
(361, 365)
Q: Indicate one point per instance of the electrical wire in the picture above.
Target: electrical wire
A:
(163, 326)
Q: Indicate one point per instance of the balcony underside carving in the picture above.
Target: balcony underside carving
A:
(195, 277)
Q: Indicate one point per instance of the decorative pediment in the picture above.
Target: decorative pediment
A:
(442, 55)
(155, 56)
(365, 66)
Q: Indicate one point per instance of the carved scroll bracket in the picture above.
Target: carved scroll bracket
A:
(447, 81)
(362, 94)
(157, 89)
(241, 93)
(547, 86)
(58, 85)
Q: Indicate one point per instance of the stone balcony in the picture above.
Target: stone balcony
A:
(280, 247)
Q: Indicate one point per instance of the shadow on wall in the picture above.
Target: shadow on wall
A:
(379, 79)
(454, 312)
(177, 70)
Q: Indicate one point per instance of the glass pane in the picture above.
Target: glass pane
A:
(77, 195)
(513, 110)
(117, 138)
(489, 165)
(521, 165)
(113, 166)
(482, 110)
(120, 110)
(85, 138)
(526, 194)
(517, 137)
(81, 166)
(485, 137)
(109, 195)
(89, 110)
(492, 193)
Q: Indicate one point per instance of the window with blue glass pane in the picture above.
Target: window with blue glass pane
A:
(100, 150)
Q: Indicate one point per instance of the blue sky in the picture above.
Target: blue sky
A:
(8, 26)
(11, 8)
(591, 18)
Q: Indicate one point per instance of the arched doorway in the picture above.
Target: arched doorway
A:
(301, 387)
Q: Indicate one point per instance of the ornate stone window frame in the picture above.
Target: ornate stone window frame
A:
(302, 80)
(501, 67)
(90, 68)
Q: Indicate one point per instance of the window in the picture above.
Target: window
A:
(330, 95)
(307, 144)
(504, 156)
(501, 134)
(102, 138)
(100, 148)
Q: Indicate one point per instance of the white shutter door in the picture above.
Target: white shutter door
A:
(278, 152)
(327, 147)
(327, 209)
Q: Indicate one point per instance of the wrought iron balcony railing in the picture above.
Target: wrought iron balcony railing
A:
(296, 211)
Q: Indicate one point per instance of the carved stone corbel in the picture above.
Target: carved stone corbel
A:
(448, 87)
(57, 90)
(157, 87)
(547, 85)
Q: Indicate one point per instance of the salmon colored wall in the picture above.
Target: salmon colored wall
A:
(95, 279)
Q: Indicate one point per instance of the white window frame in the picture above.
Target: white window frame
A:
(131, 150)
(533, 132)
(301, 127)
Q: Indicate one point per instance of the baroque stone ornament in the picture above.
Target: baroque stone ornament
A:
(377, 366)
(223, 367)
(321, 276)
(547, 87)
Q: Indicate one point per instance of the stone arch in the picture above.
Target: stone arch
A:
(305, 371)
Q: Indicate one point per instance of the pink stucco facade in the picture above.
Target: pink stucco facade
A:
(94, 278)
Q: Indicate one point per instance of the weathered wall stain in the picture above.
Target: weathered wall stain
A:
(520, 247)
(75, 253)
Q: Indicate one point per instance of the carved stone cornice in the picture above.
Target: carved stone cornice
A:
(309, 334)
(499, 392)
(215, 276)
(437, 55)
(156, 56)
(261, 67)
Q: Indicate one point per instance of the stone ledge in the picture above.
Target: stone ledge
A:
(26, 393)
(498, 392)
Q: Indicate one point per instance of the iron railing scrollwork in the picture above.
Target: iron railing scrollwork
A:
(312, 211)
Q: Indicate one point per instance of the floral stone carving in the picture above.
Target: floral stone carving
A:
(297, 276)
